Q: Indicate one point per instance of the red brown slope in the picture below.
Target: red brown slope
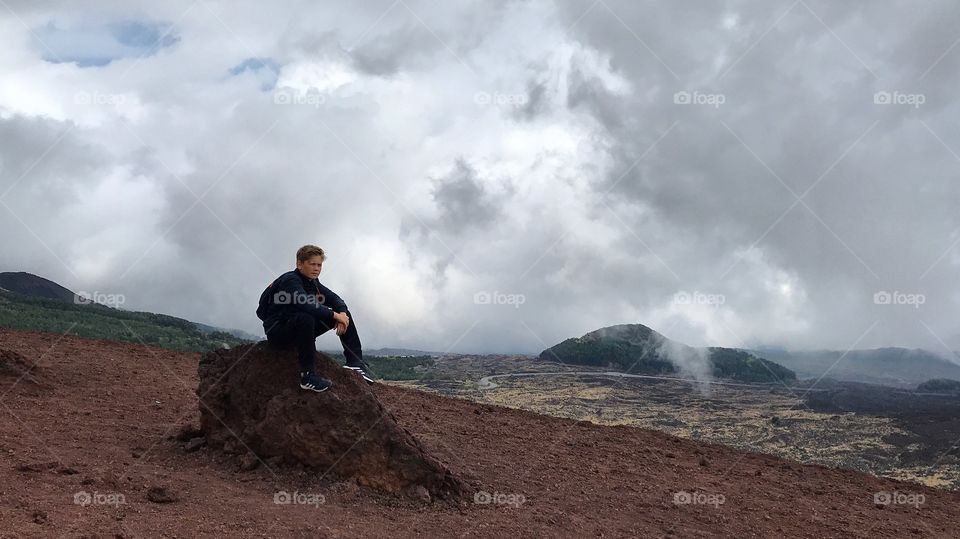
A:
(103, 421)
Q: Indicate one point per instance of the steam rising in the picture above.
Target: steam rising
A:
(692, 362)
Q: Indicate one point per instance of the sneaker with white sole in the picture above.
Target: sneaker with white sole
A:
(310, 380)
(359, 367)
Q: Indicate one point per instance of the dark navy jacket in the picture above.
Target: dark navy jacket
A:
(294, 292)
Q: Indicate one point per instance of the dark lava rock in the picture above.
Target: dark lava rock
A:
(39, 516)
(252, 391)
(249, 462)
(188, 431)
(36, 466)
(161, 495)
(194, 444)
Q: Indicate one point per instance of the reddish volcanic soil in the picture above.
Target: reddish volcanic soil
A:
(88, 448)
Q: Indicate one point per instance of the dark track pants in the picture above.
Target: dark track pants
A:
(302, 330)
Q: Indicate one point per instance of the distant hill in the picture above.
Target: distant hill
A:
(900, 367)
(637, 349)
(31, 285)
(34, 303)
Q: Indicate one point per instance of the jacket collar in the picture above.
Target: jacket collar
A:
(303, 277)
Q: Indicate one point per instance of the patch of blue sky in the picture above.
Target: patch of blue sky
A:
(98, 45)
(266, 69)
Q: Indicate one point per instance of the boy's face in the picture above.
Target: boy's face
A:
(311, 267)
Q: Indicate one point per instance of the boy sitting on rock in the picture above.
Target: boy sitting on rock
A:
(296, 309)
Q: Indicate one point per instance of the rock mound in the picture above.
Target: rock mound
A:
(252, 392)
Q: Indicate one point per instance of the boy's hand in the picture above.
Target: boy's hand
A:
(343, 320)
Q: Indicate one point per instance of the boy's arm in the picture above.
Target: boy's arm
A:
(333, 301)
(303, 301)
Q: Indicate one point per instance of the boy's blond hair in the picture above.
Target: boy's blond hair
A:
(309, 251)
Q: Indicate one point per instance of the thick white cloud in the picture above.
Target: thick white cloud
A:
(531, 153)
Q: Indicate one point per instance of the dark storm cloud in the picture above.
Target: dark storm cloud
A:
(590, 94)
(536, 104)
(464, 211)
(387, 53)
(462, 200)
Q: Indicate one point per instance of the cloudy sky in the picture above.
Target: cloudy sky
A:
(497, 176)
